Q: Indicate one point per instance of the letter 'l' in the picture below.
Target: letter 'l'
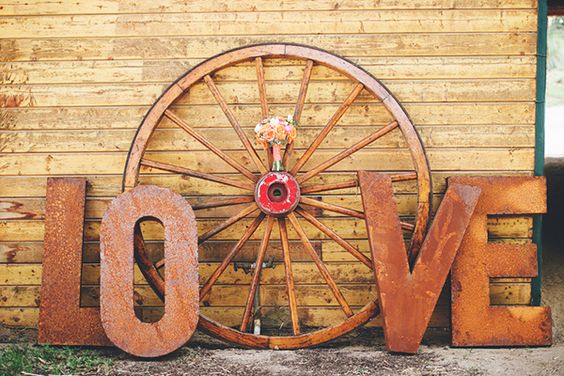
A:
(408, 298)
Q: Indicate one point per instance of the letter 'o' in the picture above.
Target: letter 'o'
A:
(181, 312)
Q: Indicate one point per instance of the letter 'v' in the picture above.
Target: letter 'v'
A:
(407, 298)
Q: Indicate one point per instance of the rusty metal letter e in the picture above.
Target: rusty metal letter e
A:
(474, 321)
(181, 314)
(408, 297)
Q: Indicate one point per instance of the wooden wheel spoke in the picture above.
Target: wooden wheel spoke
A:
(333, 235)
(334, 208)
(263, 101)
(404, 177)
(299, 106)
(197, 174)
(146, 266)
(269, 156)
(256, 275)
(227, 260)
(342, 210)
(407, 226)
(329, 187)
(289, 276)
(222, 226)
(351, 184)
(261, 87)
(159, 264)
(345, 153)
(235, 124)
(201, 139)
(217, 203)
(325, 131)
(320, 266)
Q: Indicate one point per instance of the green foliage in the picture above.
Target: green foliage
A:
(15, 359)
(555, 62)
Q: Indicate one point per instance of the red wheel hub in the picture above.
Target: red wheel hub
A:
(277, 193)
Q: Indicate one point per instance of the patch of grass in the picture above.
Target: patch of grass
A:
(15, 359)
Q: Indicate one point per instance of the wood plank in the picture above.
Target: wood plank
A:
(510, 294)
(110, 185)
(23, 252)
(270, 23)
(164, 71)
(315, 317)
(406, 91)
(47, 7)
(224, 138)
(442, 159)
(20, 274)
(34, 208)
(15, 231)
(435, 44)
(97, 118)
(19, 317)
(271, 295)
(334, 253)
(310, 288)
(210, 251)
(393, 68)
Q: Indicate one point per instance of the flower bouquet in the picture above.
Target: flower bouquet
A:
(274, 132)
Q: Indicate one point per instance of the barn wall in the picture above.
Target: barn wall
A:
(78, 77)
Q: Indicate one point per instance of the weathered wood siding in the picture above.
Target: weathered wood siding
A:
(78, 76)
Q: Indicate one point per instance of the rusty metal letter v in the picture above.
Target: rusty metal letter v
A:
(408, 297)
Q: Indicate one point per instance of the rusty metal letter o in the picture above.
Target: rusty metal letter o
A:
(180, 318)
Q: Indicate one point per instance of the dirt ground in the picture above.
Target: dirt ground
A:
(361, 353)
(353, 360)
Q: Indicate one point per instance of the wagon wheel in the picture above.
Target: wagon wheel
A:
(294, 185)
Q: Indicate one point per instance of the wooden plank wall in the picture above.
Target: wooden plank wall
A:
(78, 76)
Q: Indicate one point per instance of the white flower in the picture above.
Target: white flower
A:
(290, 118)
(274, 121)
(257, 127)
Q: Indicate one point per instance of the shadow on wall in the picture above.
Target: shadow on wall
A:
(553, 250)
(553, 223)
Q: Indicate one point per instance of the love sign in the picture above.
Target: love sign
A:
(407, 289)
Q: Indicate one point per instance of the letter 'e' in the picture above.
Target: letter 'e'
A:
(474, 321)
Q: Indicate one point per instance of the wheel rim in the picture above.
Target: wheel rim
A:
(364, 81)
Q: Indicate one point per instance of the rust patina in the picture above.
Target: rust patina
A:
(61, 319)
(180, 318)
(474, 321)
(407, 295)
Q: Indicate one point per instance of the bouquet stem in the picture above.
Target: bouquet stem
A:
(277, 157)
